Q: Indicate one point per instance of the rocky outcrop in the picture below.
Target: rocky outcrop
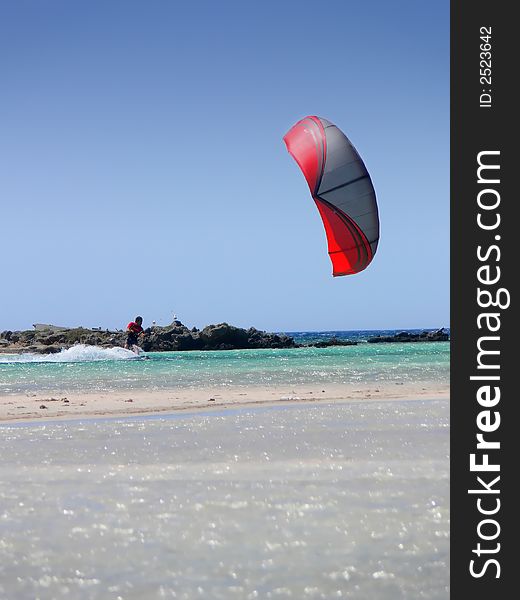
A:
(178, 337)
(155, 339)
(213, 337)
(332, 342)
(440, 335)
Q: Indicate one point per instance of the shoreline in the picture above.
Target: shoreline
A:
(65, 405)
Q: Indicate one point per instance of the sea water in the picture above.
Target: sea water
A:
(301, 502)
(87, 368)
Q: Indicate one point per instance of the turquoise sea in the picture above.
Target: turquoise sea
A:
(87, 368)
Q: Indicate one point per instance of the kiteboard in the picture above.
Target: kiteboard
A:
(138, 351)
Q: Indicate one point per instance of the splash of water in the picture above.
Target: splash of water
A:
(78, 353)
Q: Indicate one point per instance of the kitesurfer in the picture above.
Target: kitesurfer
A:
(134, 329)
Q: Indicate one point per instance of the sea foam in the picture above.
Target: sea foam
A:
(78, 353)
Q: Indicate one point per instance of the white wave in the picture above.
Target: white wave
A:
(78, 353)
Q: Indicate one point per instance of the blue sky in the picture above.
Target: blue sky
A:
(142, 167)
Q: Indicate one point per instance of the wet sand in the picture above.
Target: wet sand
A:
(45, 406)
(312, 500)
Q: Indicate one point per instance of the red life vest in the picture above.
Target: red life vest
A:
(134, 327)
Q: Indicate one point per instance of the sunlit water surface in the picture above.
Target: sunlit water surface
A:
(321, 501)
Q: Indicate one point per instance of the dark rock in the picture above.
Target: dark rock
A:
(224, 336)
(56, 338)
(176, 336)
(332, 342)
(440, 335)
(189, 341)
(45, 349)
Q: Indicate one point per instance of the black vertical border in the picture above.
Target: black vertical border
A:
(475, 129)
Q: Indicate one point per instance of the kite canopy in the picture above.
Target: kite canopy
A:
(342, 189)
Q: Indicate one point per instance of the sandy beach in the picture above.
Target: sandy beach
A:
(45, 406)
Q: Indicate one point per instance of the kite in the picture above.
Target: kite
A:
(342, 189)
